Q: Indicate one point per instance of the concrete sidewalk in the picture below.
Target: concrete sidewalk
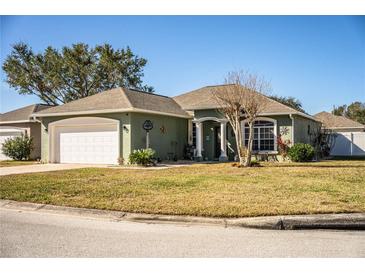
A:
(350, 221)
(42, 168)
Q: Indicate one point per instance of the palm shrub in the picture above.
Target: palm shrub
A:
(18, 148)
(301, 152)
(142, 157)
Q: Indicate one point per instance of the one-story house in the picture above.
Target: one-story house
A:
(347, 136)
(108, 126)
(20, 121)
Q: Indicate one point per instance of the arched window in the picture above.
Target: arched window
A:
(264, 138)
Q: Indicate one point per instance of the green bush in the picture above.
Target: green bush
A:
(142, 157)
(301, 153)
(18, 148)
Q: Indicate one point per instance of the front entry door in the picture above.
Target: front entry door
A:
(217, 142)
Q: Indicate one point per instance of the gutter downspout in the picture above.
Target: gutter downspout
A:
(292, 128)
(36, 119)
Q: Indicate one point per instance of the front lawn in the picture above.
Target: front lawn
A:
(202, 189)
(8, 163)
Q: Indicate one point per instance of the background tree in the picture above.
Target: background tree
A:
(289, 101)
(354, 111)
(340, 110)
(75, 72)
(242, 98)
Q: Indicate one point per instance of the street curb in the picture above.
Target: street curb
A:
(347, 221)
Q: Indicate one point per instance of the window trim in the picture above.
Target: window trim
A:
(243, 122)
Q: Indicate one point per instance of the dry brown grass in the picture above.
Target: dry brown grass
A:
(203, 189)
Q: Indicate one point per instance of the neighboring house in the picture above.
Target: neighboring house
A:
(109, 125)
(348, 136)
(339, 123)
(19, 121)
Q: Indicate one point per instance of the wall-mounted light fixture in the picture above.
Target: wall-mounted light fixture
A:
(125, 128)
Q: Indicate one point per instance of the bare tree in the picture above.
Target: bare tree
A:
(242, 98)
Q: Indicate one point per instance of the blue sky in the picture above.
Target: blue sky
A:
(319, 60)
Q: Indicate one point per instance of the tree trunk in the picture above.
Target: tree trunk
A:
(236, 126)
(250, 142)
(239, 144)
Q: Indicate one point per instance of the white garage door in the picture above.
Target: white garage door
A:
(84, 140)
(95, 147)
(5, 134)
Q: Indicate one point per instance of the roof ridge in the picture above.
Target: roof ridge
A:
(210, 86)
(189, 92)
(322, 112)
(34, 108)
(146, 92)
(122, 89)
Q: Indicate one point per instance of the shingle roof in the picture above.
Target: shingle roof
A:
(203, 98)
(21, 114)
(119, 99)
(331, 121)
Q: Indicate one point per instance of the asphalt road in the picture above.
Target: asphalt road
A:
(39, 234)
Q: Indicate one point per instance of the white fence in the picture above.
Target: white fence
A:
(349, 144)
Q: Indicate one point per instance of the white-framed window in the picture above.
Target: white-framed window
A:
(264, 138)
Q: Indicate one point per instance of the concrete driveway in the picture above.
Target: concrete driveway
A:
(42, 168)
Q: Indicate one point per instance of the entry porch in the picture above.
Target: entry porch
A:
(214, 139)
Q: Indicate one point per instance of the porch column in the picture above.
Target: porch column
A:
(198, 126)
(223, 156)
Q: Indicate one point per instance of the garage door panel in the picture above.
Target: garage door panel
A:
(99, 147)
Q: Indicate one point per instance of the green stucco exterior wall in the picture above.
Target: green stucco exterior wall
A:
(284, 127)
(168, 137)
(305, 129)
(207, 113)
